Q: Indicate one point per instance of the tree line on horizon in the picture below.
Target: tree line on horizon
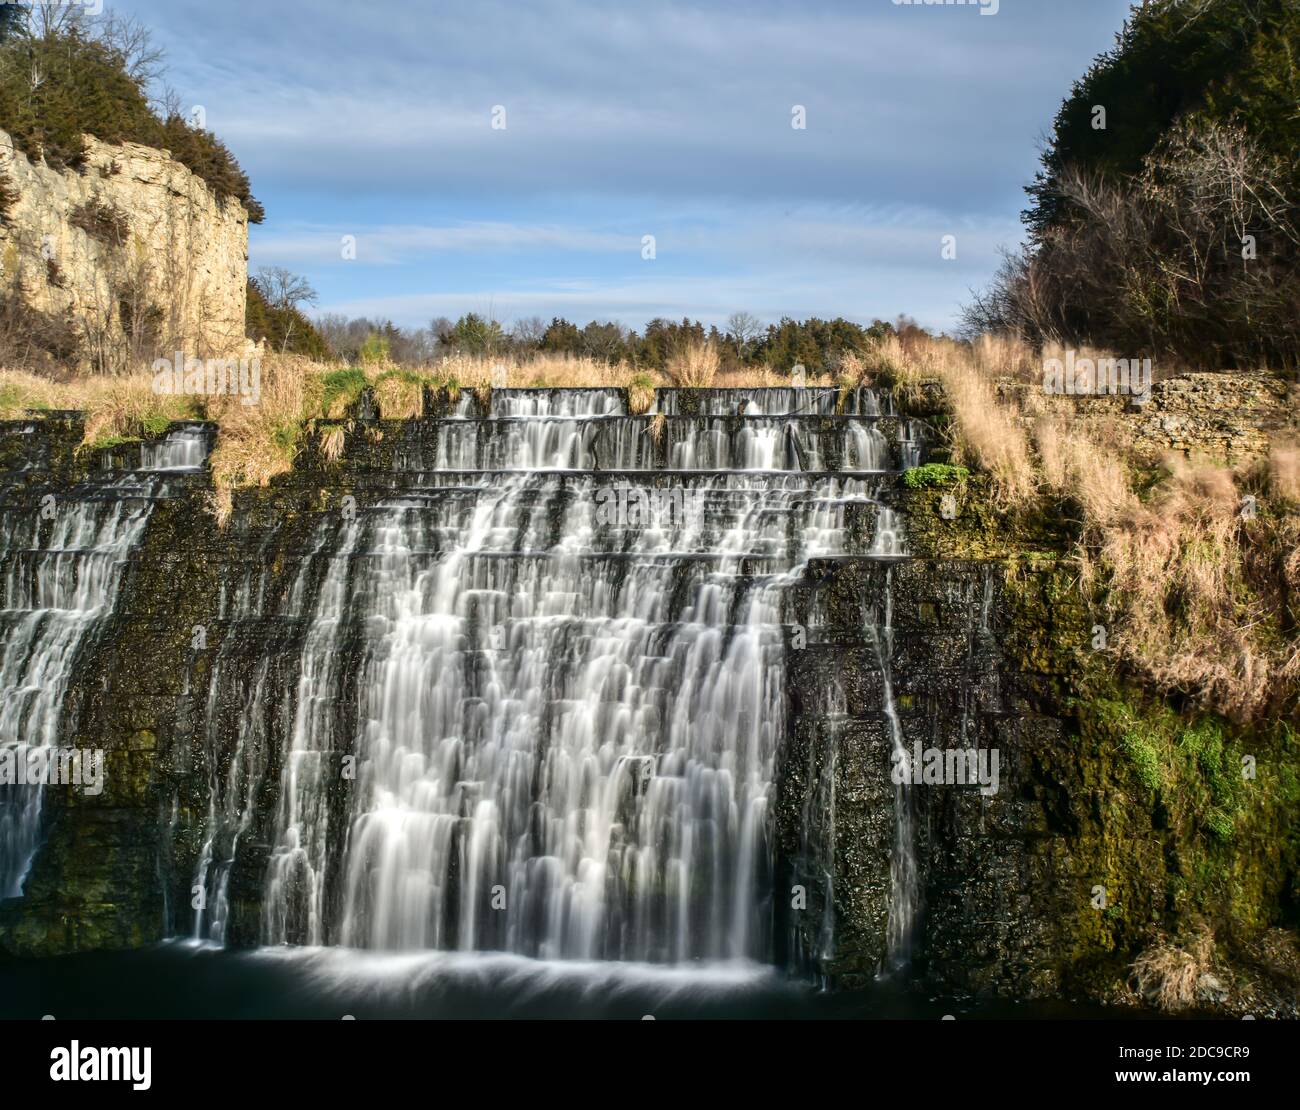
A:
(278, 298)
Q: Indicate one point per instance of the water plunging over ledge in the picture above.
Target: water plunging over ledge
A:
(63, 560)
(538, 699)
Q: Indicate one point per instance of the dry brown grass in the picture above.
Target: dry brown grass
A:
(116, 408)
(990, 431)
(1284, 471)
(332, 442)
(20, 392)
(1194, 587)
(259, 442)
(1180, 586)
(541, 371)
(640, 394)
(127, 407)
(1167, 974)
(399, 395)
(694, 365)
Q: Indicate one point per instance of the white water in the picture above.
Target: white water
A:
(904, 884)
(183, 449)
(62, 562)
(564, 725)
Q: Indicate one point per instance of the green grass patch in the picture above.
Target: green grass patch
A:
(155, 425)
(107, 443)
(340, 390)
(934, 476)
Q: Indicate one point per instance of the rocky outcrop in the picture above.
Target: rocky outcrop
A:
(1221, 415)
(1226, 416)
(132, 253)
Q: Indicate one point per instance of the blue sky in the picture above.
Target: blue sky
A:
(630, 119)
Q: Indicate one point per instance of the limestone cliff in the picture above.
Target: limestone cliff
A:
(132, 253)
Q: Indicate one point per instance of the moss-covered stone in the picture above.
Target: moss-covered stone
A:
(1118, 815)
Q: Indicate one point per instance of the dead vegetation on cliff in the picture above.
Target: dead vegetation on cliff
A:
(1193, 564)
(1174, 977)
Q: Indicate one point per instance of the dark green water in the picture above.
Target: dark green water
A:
(177, 981)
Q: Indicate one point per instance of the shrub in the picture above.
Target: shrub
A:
(34, 339)
(9, 195)
(102, 222)
(374, 351)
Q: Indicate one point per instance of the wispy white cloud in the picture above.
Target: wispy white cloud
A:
(662, 118)
(393, 245)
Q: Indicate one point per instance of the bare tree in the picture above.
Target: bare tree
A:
(528, 332)
(127, 37)
(283, 289)
(744, 328)
(55, 20)
(285, 292)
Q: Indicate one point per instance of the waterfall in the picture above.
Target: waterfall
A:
(184, 448)
(536, 702)
(904, 884)
(62, 560)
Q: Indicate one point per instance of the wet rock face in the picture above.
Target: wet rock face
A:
(964, 647)
(1047, 886)
(985, 918)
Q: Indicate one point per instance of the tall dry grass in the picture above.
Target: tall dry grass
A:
(257, 443)
(21, 392)
(694, 365)
(1195, 610)
(1193, 567)
(116, 408)
(1284, 471)
(990, 433)
(539, 371)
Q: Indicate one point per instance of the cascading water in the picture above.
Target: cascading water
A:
(62, 563)
(904, 885)
(540, 684)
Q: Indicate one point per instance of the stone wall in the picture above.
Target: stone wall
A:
(167, 270)
(1226, 416)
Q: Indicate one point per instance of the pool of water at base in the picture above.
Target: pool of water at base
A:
(187, 981)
